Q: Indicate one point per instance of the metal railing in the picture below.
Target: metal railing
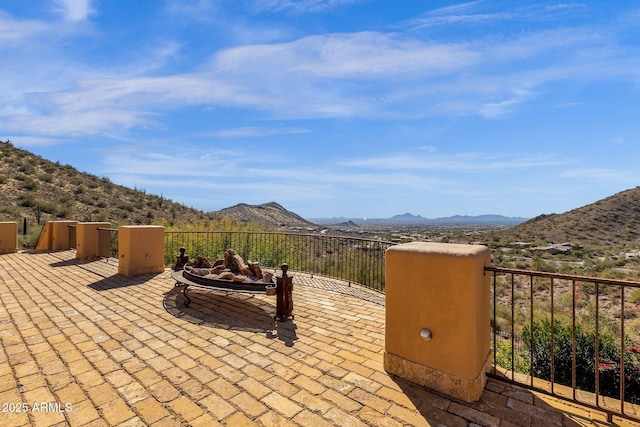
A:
(107, 242)
(72, 236)
(568, 336)
(351, 259)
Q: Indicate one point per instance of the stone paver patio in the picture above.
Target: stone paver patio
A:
(83, 346)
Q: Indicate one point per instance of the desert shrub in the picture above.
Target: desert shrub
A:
(126, 207)
(504, 352)
(67, 200)
(10, 211)
(30, 239)
(539, 264)
(48, 207)
(27, 200)
(611, 273)
(27, 168)
(63, 211)
(537, 340)
(45, 177)
(29, 184)
(99, 215)
(502, 317)
(70, 170)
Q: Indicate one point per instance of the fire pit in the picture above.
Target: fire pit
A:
(231, 274)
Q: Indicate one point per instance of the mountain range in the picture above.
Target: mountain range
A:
(417, 220)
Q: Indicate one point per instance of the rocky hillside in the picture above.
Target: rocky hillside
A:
(612, 222)
(40, 190)
(268, 215)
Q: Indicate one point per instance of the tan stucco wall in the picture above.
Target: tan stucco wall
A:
(140, 249)
(44, 239)
(441, 287)
(87, 239)
(8, 237)
(55, 236)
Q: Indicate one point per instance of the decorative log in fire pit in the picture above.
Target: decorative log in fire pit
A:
(232, 274)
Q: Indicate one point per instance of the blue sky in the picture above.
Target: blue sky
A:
(358, 108)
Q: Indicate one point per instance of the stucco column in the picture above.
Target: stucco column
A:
(87, 239)
(437, 331)
(140, 249)
(55, 236)
(8, 237)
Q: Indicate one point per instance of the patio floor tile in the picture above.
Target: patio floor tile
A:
(81, 345)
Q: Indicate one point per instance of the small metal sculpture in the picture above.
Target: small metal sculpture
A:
(284, 295)
(181, 260)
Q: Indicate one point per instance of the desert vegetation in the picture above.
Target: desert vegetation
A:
(535, 315)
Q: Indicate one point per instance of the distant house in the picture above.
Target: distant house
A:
(630, 255)
(521, 245)
(553, 249)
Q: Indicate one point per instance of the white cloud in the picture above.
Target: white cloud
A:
(250, 132)
(74, 10)
(623, 177)
(300, 7)
(13, 31)
(478, 162)
(338, 75)
(496, 110)
(475, 13)
(456, 8)
(367, 55)
(32, 141)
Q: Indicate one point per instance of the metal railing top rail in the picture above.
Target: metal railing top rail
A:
(603, 363)
(588, 279)
(279, 233)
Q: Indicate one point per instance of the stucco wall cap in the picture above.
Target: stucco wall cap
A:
(440, 248)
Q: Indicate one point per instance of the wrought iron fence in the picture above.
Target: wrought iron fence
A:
(107, 243)
(573, 337)
(351, 259)
(72, 236)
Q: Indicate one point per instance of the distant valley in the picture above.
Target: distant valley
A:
(407, 219)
